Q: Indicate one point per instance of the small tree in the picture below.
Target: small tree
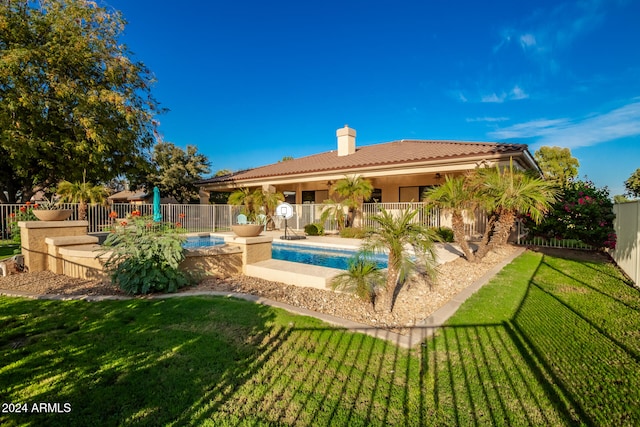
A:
(333, 212)
(454, 196)
(268, 200)
(394, 234)
(81, 193)
(507, 193)
(363, 277)
(245, 198)
(557, 164)
(633, 184)
(354, 190)
(256, 202)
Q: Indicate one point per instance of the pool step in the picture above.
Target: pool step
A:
(292, 273)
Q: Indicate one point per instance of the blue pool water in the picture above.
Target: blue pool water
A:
(313, 255)
(202, 242)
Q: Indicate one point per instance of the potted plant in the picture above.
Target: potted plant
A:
(252, 208)
(50, 210)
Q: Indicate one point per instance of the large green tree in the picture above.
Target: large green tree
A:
(175, 171)
(633, 184)
(557, 164)
(71, 96)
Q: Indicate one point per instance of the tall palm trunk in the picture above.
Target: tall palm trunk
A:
(503, 228)
(485, 243)
(392, 281)
(82, 210)
(457, 223)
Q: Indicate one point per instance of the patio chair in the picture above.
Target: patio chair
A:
(242, 219)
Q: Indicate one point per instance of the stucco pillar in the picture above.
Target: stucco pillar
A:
(254, 249)
(34, 233)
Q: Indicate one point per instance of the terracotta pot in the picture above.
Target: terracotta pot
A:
(53, 215)
(247, 230)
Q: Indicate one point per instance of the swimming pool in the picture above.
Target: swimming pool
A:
(322, 256)
(193, 242)
(312, 255)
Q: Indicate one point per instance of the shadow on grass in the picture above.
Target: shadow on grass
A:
(224, 362)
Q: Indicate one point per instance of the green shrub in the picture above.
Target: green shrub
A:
(145, 256)
(353, 233)
(363, 277)
(445, 233)
(314, 229)
(583, 212)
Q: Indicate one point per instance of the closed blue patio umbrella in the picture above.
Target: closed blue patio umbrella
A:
(157, 215)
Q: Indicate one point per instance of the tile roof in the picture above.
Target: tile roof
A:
(386, 154)
(129, 195)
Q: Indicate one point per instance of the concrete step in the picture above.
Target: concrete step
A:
(293, 273)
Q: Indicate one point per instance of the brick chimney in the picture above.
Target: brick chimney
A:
(346, 141)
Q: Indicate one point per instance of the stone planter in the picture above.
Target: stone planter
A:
(53, 215)
(247, 230)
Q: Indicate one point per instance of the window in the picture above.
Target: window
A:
(290, 197)
(308, 197)
(376, 196)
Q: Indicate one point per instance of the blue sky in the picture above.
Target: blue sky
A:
(251, 81)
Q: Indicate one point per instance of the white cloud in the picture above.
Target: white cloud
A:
(527, 40)
(459, 96)
(514, 94)
(486, 119)
(572, 133)
(493, 98)
(518, 93)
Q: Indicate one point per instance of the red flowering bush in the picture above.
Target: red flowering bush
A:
(25, 213)
(582, 212)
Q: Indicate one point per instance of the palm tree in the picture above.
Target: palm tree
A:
(333, 211)
(454, 196)
(269, 201)
(243, 197)
(363, 277)
(395, 234)
(507, 193)
(354, 190)
(81, 193)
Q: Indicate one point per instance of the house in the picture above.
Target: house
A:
(399, 171)
(134, 197)
(139, 197)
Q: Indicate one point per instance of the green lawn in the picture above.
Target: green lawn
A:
(549, 341)
(7, 250)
